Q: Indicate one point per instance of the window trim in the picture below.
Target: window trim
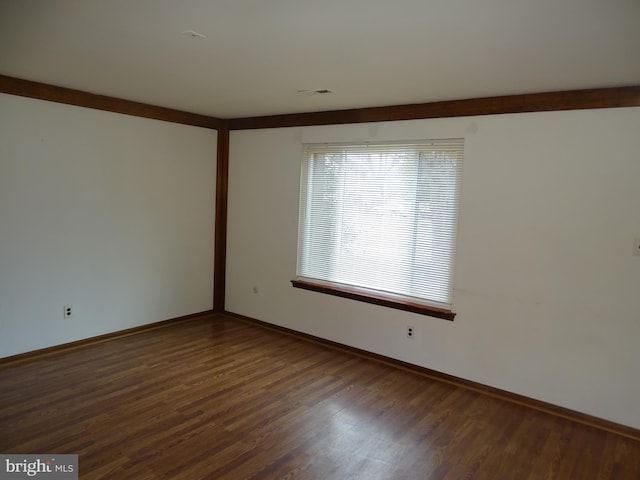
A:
(375, 299)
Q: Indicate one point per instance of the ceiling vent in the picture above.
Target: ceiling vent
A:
(320, 91)
(194, 34)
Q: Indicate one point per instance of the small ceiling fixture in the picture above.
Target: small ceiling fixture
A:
(194, 34)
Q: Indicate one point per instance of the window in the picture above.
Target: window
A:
(378, 222)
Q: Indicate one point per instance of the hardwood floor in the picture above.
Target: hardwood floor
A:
(224, 399)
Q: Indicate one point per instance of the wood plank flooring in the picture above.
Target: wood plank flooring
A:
(218, 398)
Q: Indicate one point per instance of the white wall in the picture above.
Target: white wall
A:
(109, 213)
(546, 287)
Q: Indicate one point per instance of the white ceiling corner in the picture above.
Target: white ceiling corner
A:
(258, 54)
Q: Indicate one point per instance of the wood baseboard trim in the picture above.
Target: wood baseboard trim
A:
(551, 409)
(36, 354)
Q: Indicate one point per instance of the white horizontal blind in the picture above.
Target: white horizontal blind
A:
(381, 217)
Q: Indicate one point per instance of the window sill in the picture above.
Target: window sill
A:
(376, 299)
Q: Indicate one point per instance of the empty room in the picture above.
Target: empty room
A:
(313, 240)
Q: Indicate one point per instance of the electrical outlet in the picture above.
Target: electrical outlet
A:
(67, 311)
(636, 247)
(410, 332)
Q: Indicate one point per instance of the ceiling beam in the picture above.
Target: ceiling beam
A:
(43, 91)
(535, 102)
